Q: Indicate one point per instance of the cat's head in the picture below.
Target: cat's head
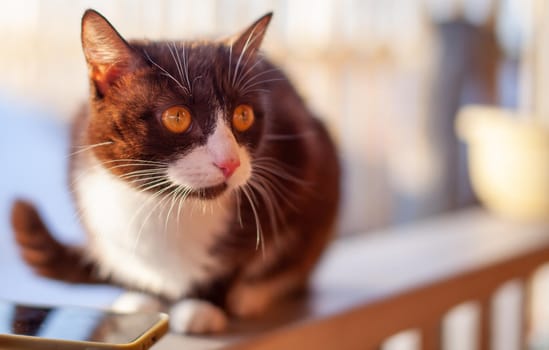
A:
(176, 115)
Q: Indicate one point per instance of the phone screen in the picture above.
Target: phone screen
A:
(74, 323)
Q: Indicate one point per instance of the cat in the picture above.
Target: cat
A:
(200, 176)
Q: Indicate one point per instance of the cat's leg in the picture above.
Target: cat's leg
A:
(248, 299)
(196, 316)
(279, 271)
(132, 301)
(190, 316)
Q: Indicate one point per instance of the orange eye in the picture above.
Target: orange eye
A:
(243, 117)
(176, 119)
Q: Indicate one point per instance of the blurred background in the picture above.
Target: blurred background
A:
(386, 76)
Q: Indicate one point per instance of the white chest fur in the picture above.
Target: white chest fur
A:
(153, 243)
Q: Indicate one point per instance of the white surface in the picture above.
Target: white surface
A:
(401, 258)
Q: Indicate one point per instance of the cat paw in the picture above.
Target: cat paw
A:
(246, 301)
(136, 301)
(193, 316)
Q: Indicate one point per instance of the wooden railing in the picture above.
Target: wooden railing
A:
(372, 287)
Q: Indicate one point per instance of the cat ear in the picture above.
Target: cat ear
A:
(248, 42)
(108, 55)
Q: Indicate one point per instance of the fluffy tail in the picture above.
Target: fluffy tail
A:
(43, 253)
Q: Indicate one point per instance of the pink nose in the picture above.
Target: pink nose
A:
(228, 167)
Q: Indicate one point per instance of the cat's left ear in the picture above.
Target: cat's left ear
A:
(108, 55)
(247, 42)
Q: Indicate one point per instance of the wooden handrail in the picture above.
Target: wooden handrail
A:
(372, 287)
(366, 327)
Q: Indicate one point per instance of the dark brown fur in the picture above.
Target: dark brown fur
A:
(125, 103)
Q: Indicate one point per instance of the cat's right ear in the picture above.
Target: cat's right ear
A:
(108, 55)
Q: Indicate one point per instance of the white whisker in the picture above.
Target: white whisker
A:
(276, 187)
(89, 147)
(270, 203)
(238, 209)
(173, 196)
(230, 59)
(142, 178)
(248, 42)
(255, 77)
(186, 69)
(182, 198)
(161, 182)
(166, 73)
(285, 137)
(279, 172)
(158, 193)
(142, 174)
(134, 163)
(247, 87)
(239, 81)
(176, 60)
(259, 231)
(251, 91)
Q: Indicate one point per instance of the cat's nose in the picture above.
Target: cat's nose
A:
(228, 166)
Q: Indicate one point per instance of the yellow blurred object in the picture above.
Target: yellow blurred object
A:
(508, 161)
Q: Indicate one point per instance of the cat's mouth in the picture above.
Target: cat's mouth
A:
(211, 192)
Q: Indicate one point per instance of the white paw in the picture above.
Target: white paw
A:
(136, 301)
(248, 302)
(197, 317)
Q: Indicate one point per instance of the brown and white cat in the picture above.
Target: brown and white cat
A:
(199, 174)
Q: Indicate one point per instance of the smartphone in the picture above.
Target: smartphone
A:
(25, 326)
